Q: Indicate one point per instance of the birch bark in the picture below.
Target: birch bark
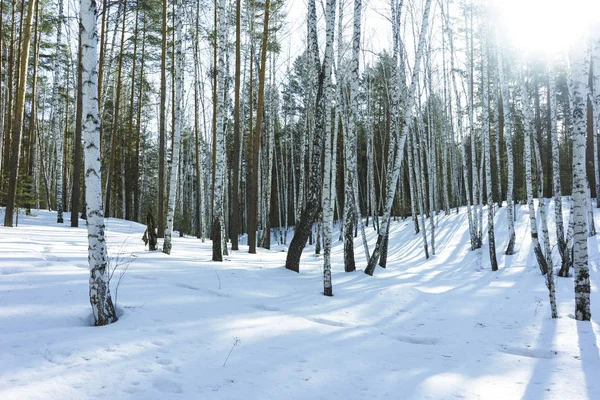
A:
(179, 68)
(389, 198)
(580, 245)
(528, 179)
(100, 298)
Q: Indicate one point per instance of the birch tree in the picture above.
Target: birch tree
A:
(179, 68)
(487, 153)
(330, 170)
(558, 218)
(389, 197)
(580, 245)
(218, 221)
(539, 255)
(312, 206)
(507, 119)
(57, 114)
(100, 298)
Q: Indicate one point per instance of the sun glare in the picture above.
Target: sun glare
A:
(544, 26)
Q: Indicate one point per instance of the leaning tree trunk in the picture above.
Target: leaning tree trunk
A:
(312, 207)
(179, 68)
(100, 299)
(580, 245)
(395, 173)
(537, 249)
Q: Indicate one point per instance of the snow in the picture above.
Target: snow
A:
(190, 328)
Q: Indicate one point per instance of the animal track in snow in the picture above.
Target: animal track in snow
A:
(165, 385)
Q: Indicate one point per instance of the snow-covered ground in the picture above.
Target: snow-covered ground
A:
(247, 328)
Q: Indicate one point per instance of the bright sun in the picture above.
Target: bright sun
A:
(544, 26)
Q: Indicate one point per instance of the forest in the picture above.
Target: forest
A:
(358, 144)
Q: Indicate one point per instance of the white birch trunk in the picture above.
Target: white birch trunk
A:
(420, 184)
(595, 50)
(547, 248)
(179, 68)
(217, 217)
(488, 166)
(591, 226)
(510, 246)
(100, 299)
(57, 107)
(580, 245)
(528, 179)
(558, 218)
(463, 143)
(328, 188)
(389, 198)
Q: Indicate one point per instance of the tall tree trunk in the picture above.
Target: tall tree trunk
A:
(539, 255)
(178, 78)
(254, 165)
(580, 245)
(112, 166)
(33, 113)
(488, 166)
(162, 130)
(595, 50)
(100, 299)
(138, 133)
(312, 207)
(129, 149)
(329, 163)
(75, 194)
(57, 114)
(218, 218)
(507, 129)
(237, 141)
(389, 198)
(558, 218)
(547, 248)
(17, 125)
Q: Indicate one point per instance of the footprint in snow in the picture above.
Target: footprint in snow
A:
(157, 343)
(164, 361)
(145, 370)
(165, 385)
(132, 389)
